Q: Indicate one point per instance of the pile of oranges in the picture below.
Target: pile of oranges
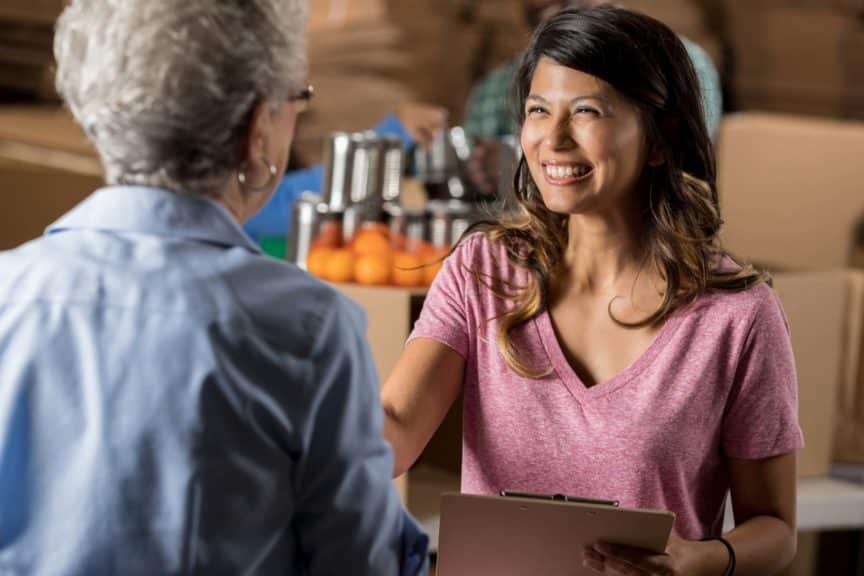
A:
(374, 256)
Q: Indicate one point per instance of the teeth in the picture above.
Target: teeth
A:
(560, 172)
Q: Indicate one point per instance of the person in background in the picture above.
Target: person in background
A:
(172, 401)
(414, 123)
(489, 114)
(604, 343)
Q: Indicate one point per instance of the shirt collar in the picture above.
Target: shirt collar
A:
(158, 212)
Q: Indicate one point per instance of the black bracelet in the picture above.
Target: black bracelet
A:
(730, 568)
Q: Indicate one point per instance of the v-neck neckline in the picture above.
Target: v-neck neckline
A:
(571, 379)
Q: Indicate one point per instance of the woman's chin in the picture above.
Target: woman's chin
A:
(567, 206)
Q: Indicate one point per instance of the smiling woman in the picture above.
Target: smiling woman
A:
(583, 142)
(605, 343)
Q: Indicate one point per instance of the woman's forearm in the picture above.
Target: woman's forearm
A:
(397, 435)
(764, 545)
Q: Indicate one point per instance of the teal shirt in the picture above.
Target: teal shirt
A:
(490, 113)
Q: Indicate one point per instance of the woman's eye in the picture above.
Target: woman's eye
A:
(587, 110)
(536, 110)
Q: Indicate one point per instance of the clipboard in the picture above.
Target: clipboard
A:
(526, 535)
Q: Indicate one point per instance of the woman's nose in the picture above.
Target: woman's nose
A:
(559, 134)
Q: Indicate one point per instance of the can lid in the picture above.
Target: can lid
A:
(309, 197)
(394, 209)
(450, 207)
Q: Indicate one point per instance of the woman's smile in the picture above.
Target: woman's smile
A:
(562, 173)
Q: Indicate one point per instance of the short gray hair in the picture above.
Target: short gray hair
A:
(165, 88)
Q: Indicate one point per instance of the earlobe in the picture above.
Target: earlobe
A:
(257, 167)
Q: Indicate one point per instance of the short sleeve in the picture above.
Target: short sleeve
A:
(761, 417)
(487, 112)
(709, 85)
(445, 315)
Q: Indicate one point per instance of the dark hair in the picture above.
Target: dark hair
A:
(648, 64)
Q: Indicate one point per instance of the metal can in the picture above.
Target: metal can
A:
(409, 228)
(448, 221)
(339, 157)
(306, 217)
(394, 166)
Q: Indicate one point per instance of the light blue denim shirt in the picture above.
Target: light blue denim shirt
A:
(174, 402)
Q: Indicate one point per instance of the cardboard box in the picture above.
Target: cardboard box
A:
(391, 313)
(849, 439)
(790, 189)
(851, 7)
(802, 57)
(689, 18)
(390, 316)
(816, 306)
(26, 57)
(46, 167)
(366, 57)
(33, 11)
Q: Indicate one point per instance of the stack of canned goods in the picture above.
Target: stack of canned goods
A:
(358, 230)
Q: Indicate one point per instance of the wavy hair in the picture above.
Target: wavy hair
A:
(648, 64)
(165, 88)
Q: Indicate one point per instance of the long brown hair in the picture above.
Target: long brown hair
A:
(647, 63)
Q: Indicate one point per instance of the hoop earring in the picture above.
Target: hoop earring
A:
(243, 180)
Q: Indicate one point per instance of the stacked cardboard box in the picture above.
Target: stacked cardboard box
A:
(791, 194)
(791, 188)
(689, 18)
(369, 56)
(46, 167)
(26, 58)
(800, 56)
(792, 200)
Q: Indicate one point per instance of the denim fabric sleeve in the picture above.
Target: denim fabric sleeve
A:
(709, 85)
(349, 510)
(415, 548)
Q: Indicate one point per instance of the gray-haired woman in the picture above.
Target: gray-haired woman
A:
(172, 401)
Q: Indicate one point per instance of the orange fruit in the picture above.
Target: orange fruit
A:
(432, 258)
(407, 270)
(430, 271)
(316, 261)
(339, 266)
(372, 269)
(371, 240)
(425, 250)
(398, 241)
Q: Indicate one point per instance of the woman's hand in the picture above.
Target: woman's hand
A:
(682, 558)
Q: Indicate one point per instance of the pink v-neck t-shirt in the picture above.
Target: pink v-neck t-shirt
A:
(718, 382)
